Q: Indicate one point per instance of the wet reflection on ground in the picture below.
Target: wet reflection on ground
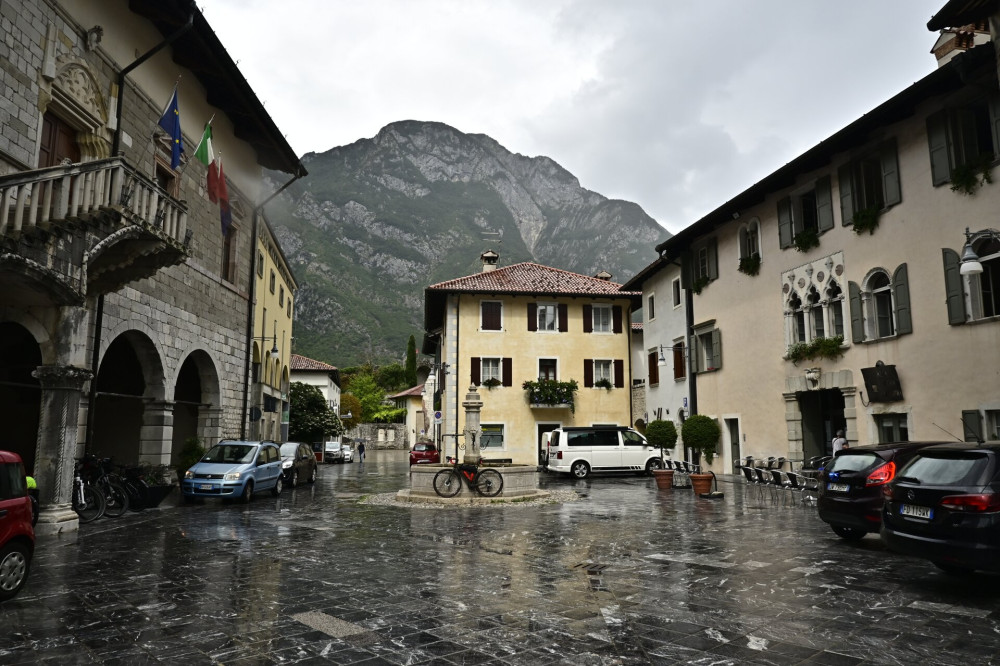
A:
(625, 575)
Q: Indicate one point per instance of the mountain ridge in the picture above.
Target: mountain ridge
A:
(379, 219)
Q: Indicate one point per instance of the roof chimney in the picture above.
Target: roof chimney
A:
(604, 275)
(489, 259)
(955, 41)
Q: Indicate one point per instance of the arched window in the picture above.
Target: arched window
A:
(835, 307)
(750, 239)
(880, 288)
(880, 307)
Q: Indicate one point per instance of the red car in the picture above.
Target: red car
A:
(17, 537)
(424, 452)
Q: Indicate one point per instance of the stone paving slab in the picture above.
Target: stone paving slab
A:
(623, 575)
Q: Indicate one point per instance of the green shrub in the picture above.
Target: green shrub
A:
(189, 455)
(661, 434)
(701, 433)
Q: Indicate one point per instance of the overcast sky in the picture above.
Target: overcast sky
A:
(675, 105)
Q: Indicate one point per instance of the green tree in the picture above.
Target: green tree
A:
(701, 433)
(350, 405)
(369, 394)
(662, 435)
(411, 362)
(310, 418)
(391, 378)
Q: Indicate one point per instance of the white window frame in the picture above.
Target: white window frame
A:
(749, 236)
(543, 308)
(974, 284)
(607, 325)
(490, 367)
(992, 424)
(607, 370)
(503, 437)
(701, 263)
(872, 299)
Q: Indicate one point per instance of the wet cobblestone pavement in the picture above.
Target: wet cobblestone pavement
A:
(623, 575)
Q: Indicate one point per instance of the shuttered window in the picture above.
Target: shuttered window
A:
(652, 364)
(491, 313)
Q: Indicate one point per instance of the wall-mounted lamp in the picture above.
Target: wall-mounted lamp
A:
(970, 260)
(662, 361)
(275, 354)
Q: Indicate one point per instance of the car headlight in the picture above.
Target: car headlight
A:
(232, 476)
(189, 474)
(286, 464)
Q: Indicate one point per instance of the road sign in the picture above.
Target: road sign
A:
(437, 418)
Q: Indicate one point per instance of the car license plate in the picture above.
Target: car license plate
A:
(912, 511)
(838, 487)
(205, 486)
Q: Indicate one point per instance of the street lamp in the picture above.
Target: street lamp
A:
(970, 260)
(662, 361)
(275, 354)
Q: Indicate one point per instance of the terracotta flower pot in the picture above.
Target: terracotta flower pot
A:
(664, 478)
(701, 483)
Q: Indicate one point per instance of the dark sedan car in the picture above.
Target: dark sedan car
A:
(850, 490)
(424, 452)
(298, 462)
(945, 507)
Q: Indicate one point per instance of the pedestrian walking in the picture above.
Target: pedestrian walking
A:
(361, 451)
(839, 442)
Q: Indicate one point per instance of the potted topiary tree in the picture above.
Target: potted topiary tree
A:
(663, 435)
(701, 433)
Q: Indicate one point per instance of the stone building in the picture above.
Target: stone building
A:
(125, 304)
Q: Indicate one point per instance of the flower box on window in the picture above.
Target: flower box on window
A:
(550, 393)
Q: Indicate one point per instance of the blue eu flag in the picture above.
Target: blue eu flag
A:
(170, 121)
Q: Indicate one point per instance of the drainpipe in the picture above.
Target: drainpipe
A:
(253, 295)
(692, 361)
(95, 358)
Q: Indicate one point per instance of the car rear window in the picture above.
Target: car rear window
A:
(424, 447)
(950, 470)
(853, 462)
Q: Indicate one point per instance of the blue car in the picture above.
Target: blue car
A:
(235, 469)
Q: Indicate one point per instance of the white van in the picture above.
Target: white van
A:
(580, 450)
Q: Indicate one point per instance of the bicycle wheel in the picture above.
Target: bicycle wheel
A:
(115, 499)
(92, 507)
(447, 483)
(489, 483)
(138, 492)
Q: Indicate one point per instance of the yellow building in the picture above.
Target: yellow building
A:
(274, 290)
(524, 335)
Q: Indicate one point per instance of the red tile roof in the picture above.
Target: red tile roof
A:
(416, 390)
(303, 363)
(637, 326)
(529, 278)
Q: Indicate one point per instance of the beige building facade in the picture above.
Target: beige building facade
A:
(833, 293)
(531, 326)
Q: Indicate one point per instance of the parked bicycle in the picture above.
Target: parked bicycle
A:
(96, 472)
(487, 482)
(136, 487)
(88, 501)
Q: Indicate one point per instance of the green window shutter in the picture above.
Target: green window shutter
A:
(785, 223)
(901, 299)
(995, 123)
(824, 204)
(717, 349)
(588, 318)
(937, 142)
(507, 366)
(891, 192)
(588, 372)
(972, 425)
(697, 364)
(713, 259)
(532, 316)
(953, 287)
(474, 366)
(857, 321)
(619, 366)
(846, 194)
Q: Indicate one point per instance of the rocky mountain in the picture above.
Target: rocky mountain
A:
(378, 220)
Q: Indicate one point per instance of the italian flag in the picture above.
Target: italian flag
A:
(206, 156)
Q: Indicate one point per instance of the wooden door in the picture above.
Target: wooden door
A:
(58, 142)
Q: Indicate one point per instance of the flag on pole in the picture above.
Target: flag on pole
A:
(170, 121)
(225, 213)
(206, 156)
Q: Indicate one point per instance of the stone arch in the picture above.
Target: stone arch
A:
(20, 390)
(195, 406)
(126, 422)
(37, 330)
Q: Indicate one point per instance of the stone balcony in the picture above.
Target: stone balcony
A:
(76, 230)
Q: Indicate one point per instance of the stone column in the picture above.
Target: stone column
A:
(156, 438)
(793, 423)
(56, 450)
(473, 405)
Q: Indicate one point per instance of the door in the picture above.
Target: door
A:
(733, 426)
(607, 449)
(822, 415)
(58, 143)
